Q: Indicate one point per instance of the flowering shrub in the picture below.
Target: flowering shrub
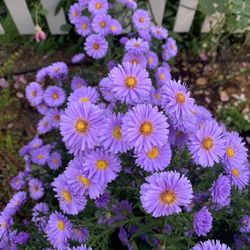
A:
(123, 157)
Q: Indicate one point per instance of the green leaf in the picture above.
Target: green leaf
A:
(59, 6)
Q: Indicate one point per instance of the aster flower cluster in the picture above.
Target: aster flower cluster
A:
(114, 151)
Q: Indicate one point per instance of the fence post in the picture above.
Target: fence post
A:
(185, 15)
(21, 16)
(54, 21)
(157, 9)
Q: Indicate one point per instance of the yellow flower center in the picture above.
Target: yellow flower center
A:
(98, 6)
(135, 61)
(84, 181)
(84, 99)
(152, 153)
(101, 164)
(146, 128)
(56, 69)
(40, 157)
(172, 46)
(55, 96)
(130, 82)
(235, 172)
(207, 143)
(66, 196)
(33, 93)
(141, 19)
(75, 14)
(96, 46)
(117, 133)
(162, 76)
(55, 161)
(81, 126)
(45, 124)
(102, 24)
(158, 31)
(4, 225)
(35, 188)
(137, 45)
(180, 98)
(150, 60)
(113, 27)
(230, 152)
(84, 26)
(60, 225)
(168, 197)
(157, 96)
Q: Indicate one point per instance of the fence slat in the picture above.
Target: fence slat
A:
(54, 21)
(211, 21)
(1, 30)
(21, 16)
(185, 15)
(158, 10)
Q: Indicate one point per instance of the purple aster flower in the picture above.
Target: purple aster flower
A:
(165, 193)
(22, 238)
(41, 74)
(36, 189)
(130, 83)
(24, 150)
(81, 126)
(145, 35)
(176, 99)
(220, 191)
(112, 138)
(115, 27)
(130, 4)
(152, 60)
(123, 236)
(177, 138)
(111, 64)
(137, 46)
(38, 212)
(34, 93)
(42, 108)
(103, 165)
(83, 28)
(105, 86)
(54, 115)
(239, 175)
(135, 58)
(169, 49)
(245, 224)
(17, 182)
(58, 230)
(77, 58)
(82, 181)
(54, 161)
(80, 234)
(163, 76)
(101, 24)
(202, 222)
(103, 200)
(210, 245)
(123, 40)
(98, 6)
(167, 229)
(35, 143)
(70, 201)
(82, 247)
(96, 46)
(207, 144)
(83, 95)
(5, 223)
(58, 70)
(155, 96)
(44, 126)
(83, 3)
(159, 32)
(145, 127)
(15, 203)
(235, 151)
(155, 159)
(54, 96)
(74, 13)
(77, 83)
(141, 19)
(40, 155)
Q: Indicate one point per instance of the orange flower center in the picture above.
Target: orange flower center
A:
(55, 96)
(168, 197)
(207, 143)
(40, 157)
(102, 24)
(96, 46)
(66, 196)
(98, 6)
(101, 164)
(84, 26)
(180, 98)
(146, 128)
(84, 181)
(235, 172)
(60, 225)
(141, 19)
(81, 126)
(230, 152)
(84, 99)
(152, 153)
(117, 133)
(130, 82)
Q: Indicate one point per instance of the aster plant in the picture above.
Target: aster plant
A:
(123, 157)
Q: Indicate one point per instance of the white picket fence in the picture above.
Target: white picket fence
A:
(21, 16)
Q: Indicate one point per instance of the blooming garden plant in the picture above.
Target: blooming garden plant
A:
(123, 157)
